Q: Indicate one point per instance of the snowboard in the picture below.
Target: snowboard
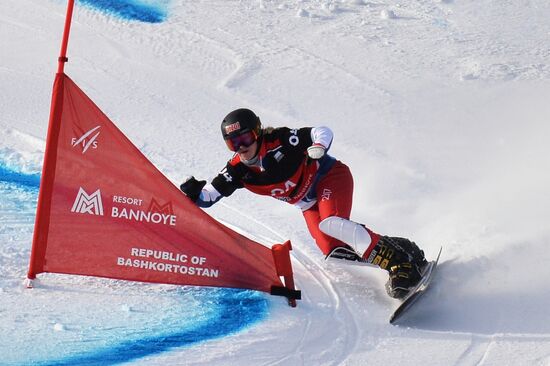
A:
(417, 292)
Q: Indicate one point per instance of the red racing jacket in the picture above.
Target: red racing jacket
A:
(282, 169)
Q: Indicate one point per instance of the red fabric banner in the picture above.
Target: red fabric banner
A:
(105, 210)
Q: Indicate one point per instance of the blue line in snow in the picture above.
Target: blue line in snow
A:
(10, 176)
(236, 310)
(131, 9)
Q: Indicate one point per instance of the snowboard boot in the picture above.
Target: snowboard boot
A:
(403, 260)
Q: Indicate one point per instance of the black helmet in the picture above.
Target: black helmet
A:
(241, 128)
(240, 121)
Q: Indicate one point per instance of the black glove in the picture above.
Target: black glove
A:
(192, 188)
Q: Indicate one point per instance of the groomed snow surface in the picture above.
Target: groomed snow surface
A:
(440, 108)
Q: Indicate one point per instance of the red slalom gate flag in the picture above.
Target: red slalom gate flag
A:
(105, 210)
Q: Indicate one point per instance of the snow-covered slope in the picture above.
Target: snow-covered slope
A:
(440, 108)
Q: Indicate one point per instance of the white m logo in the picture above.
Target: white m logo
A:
(90, 204)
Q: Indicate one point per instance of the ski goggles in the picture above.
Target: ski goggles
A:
(244, 139)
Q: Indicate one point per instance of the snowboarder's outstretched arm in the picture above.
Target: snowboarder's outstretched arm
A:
(202, 194)
(205, 195)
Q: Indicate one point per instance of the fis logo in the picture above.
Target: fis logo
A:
(87, 140)
(88, 203)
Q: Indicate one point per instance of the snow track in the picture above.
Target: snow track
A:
(319, 291)
(440, 110)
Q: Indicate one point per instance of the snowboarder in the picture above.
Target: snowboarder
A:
(292, 165)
